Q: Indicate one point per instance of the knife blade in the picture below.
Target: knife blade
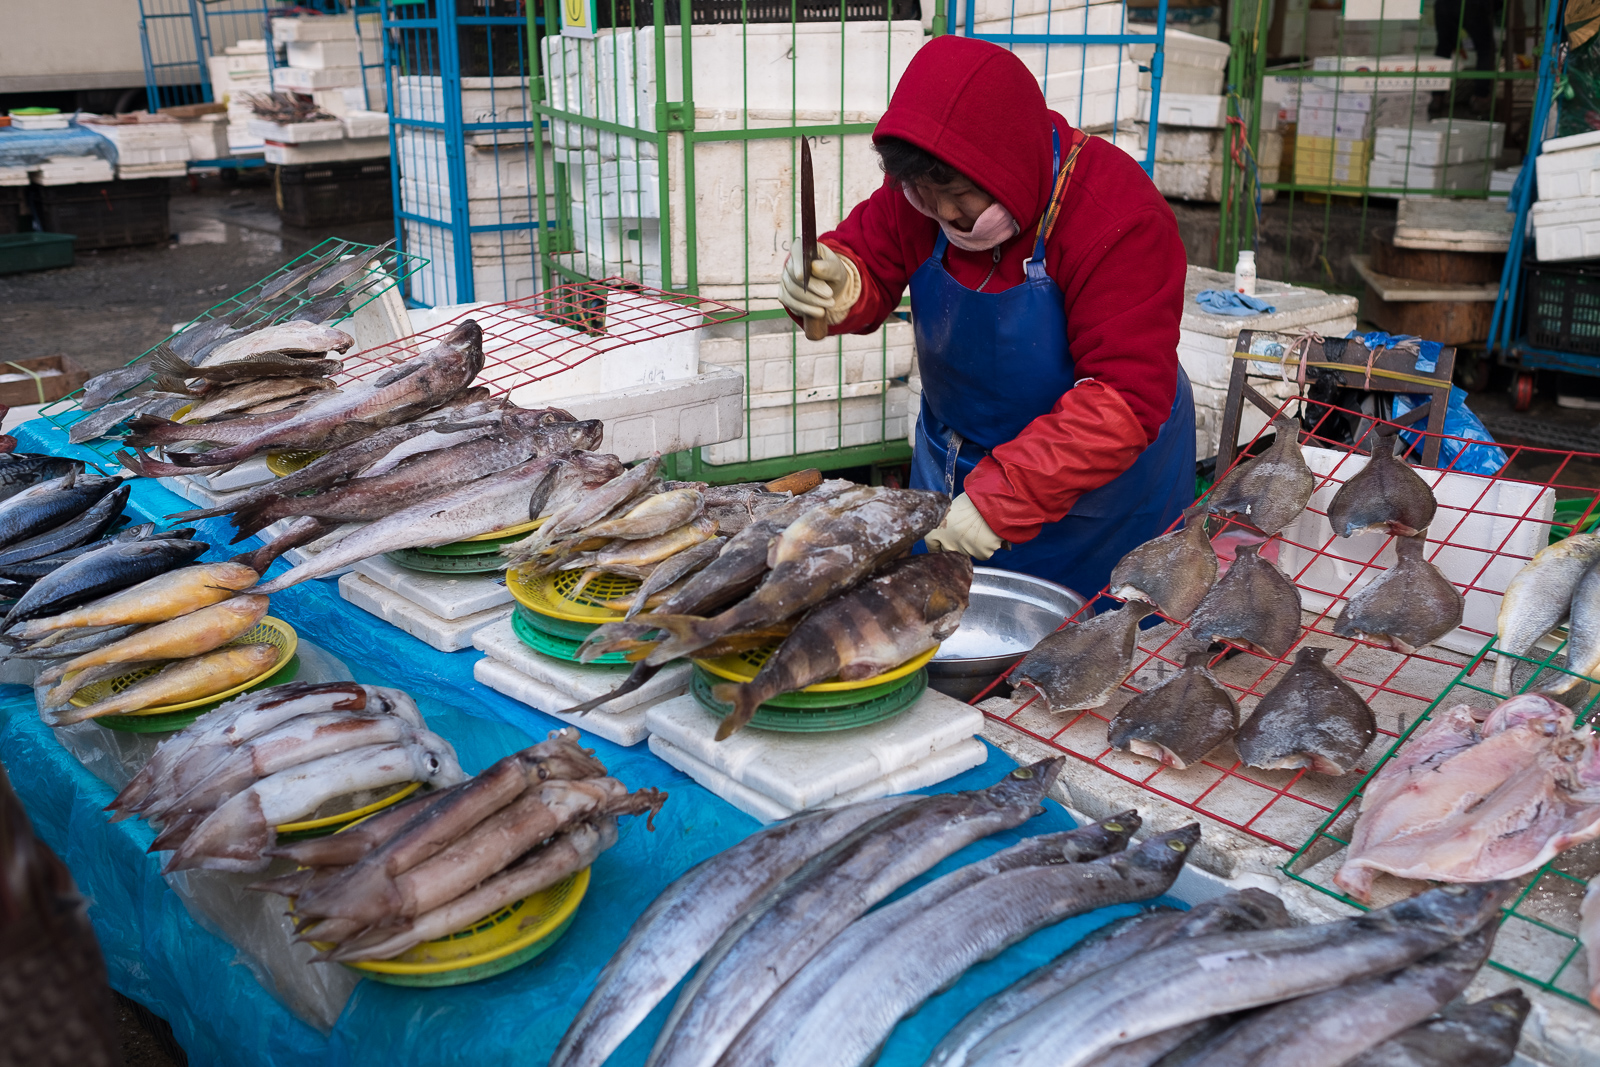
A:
(816, 329)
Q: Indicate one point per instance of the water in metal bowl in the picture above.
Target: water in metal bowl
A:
(1007, 616)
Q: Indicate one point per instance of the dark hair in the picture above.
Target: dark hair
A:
(905, 162)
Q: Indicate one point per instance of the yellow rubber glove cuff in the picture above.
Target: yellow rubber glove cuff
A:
(965, 530)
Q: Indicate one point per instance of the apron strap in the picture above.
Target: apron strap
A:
(1052, 210)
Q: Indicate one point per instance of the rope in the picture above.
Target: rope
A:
(38, 381)
(1415, 379)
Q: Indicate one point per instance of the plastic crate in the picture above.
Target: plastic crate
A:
(11, 197)
(327, 194)
(1562, 309)
(112, 214)
(34, 251)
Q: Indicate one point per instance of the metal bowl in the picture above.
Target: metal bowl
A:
(1008, 614)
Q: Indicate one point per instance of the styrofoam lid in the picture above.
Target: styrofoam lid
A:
(1577, 140)
(1571, 209)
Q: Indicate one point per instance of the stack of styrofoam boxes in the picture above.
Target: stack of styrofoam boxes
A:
(1566, 219)
(1328, 33)
(70, 170)
(1206, 343)
(1333, 137)
(152, 147)
(811, 396)
(1093, 86)
(242, 69)
(760, 75)
(1442, 154)
(327, 61)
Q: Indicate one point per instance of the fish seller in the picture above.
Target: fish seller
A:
(1046, 278)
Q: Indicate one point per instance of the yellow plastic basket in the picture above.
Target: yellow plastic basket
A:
(305, 826)
(742, 667)
(509, 531)
(288, 461)
(550, 594)
(274, 632)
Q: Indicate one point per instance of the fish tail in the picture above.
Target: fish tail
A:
(252, 520)
(612, 637)
(637, 677)
(142, 464)
(686, 633)
(167, 363)
(745, 699)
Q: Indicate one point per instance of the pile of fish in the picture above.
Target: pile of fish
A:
(820, 573)
(1231, 982)
(267, 357)
(1559, 585)
(51, 512)
(1478, 794)
(219, 789)
(438, 863)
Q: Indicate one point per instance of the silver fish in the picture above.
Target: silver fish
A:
(290, 338)
(764, 949)
(685, 563)
(1538, 597)
(1583, 636)
(1083, 663)
(1270, 490)
(249, 394)
(1482, 1034)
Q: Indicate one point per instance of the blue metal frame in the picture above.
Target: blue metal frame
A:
(186, 48)
(1156, 60)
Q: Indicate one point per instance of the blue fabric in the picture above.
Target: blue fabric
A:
(1427, 351)
(1487, 458)
(25, 147)
(157, 954)
(1228, 302)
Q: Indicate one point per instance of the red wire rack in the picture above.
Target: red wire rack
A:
(1486, 529)
(535, 338)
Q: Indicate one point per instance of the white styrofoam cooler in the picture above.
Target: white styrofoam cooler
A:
(1569, 172)
(1567, 229)
(326, 28)
(787, 429)
(778, 362)
(317, 55)
(706, 409)
(307, 79)
(1187, 109)
(1441, 142)
(1407, 63)
(297, 132)
(327, 151)
(1388, 174)
(1191, 63)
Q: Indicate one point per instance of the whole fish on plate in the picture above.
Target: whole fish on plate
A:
(754, 958)
(1173, 571)
(1311, 718)
(1269, 490)
(488, 504)
(168, 594)
(287, 338)
(894, 975)
(246, 395)
(1080, 665)
(178, 682)
(73, 533)
(118, 572)
(1254, 605)
(49, 504)
(826, 550)
(1385, 495)
(1481, 1034)
(1407, 607)
(187, 635)
(902, 611)
(1179, 721)
(762, 1042)
(20, 470)
(233, 837)
(1191, 980)
(1327, 1029)
(1119, 940)
(103, 421)
(1538, 598)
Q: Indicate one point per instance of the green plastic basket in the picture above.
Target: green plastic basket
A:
(21, 252)
(1567, 514)
(529, 627)
(413, 559)
(817, 718)
(177, 720)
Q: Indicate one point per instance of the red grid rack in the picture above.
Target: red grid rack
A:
(535, 338)
(1486, 529)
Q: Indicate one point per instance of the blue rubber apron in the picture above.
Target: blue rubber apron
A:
(993, 362)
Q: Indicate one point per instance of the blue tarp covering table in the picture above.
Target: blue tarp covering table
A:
(161, 956)
(26, 147)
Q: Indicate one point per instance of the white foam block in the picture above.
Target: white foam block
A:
(186, 486)
(576, 683)
(445, 596)
(960, 757)
(446, 635)
(251, 472)
(625, 727)
(804, 770)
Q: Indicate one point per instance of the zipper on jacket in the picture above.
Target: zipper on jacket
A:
(993, 266)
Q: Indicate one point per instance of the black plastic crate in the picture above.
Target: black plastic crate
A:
(1561, 308)
(328, 194)
(11, 197)
(113, 214)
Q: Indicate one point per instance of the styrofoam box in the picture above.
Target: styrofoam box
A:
(1186, 109)
(446, 635)
(152, 170)
(245, 64)
(317, 55)
(1386, 174)
(820, 426)
(996, 10)
(326, 28)
(776, 363)
(1569, 174)
(1442, 142)
(492, 170)
(72, 172)
(1189, 162)
(1339, 125)
(488, 245)
(134, 157)
(207, 136)
(297, 132)
(707, 409)
(1488, 542)
(1397, 63)
(1338, 98)
(341, 101)
(304, 80)
(1093, 98)
(1177, 78)
(503, 98)
(1041, 59)
(359, 124)
(443, 595)
(624, 189)
(624, 728)
(1183, 49)
(327, 151)
(17, 175)
(510, 278)
(576, 683)
(1567, 229)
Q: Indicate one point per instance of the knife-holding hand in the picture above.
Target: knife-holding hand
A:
(833, 290)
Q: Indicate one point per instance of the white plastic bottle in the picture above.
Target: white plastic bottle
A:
(1244, 274)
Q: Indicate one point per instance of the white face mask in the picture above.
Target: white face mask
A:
(994, 227)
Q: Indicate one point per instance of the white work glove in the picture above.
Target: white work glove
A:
(833, 291)
(965, 530)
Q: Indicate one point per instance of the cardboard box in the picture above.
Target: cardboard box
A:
(58, 376)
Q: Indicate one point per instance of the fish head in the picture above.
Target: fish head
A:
(1456, 909)
(435, 760)
(1529, 709)
(1161, 854)
(1027, 784)
(1103, 838)
(585, 435)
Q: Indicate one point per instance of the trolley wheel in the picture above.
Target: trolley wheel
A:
(1522, 392)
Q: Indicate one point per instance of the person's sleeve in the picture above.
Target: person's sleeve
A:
(1124, 304)
(870, 237)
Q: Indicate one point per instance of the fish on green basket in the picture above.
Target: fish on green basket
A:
(1270, 490)
(904, 610)
(287, 282)
(679, 566)
(1179, 721)
(639, 559)
(1253, 605)
(1384, 496)
(179, 682)
(1311, 718)
(109, 583)
(1538, 598)
(1173, 571)
(1481, 1034)
(1408, 606)
(1083, 663)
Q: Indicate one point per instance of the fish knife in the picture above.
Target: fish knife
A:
(816, 329)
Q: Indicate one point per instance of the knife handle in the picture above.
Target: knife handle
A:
(816, 329)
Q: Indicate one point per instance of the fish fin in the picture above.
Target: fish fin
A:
(684, 634)
(167, 384)
(745, 701)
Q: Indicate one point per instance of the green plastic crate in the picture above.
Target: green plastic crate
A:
(34, 251)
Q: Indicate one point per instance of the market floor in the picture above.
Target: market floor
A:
(113, 304)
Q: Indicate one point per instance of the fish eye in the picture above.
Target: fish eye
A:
(1022, 773)
(1177, 846)
(1114, 827)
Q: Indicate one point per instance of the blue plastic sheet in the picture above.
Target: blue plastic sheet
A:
(25, 147)
(1427, 351)
(1486, 458)
(157, 954)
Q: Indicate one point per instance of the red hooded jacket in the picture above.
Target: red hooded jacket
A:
(1114, 251)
